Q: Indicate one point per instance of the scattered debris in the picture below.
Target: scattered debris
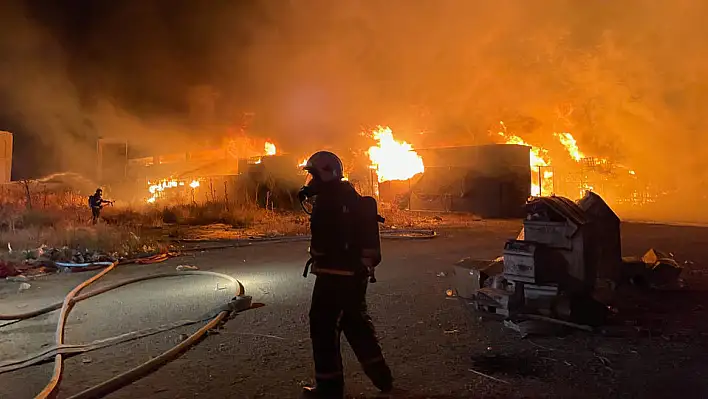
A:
(183, 337)
(488, 376)
(654, 269)
(219, 287)
(560, 322)
(531, 327)
(186, 267)
(24, 287)
(86, 360)
(561, 270)
(471, 274)
(453, 331)
(18, 278)
(441, 274)
(152, 259)
(7, 270)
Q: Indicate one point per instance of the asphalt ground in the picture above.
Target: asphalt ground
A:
(435, 345)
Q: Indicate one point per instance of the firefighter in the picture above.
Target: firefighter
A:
(342, 268)
(96, 202)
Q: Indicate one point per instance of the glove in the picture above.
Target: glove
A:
(302, 194)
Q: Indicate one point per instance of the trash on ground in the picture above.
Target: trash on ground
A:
(18, 278)
(471, 274)
(654, 269)
(488, 376)
(7, 269)
(86, 360)
(24, 287)
(441, 274)
(531, 327)
(186, 267)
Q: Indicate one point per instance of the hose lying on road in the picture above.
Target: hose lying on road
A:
(239, 303)
(50, 388)
(66, 349)
(403, 234)
(79, 298)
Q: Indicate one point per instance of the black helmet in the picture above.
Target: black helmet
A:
(325, 166)
(99, 191)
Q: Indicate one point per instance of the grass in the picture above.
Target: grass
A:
(62, 219)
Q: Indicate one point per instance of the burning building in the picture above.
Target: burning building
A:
(490, 181)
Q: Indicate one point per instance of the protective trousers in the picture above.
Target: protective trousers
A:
(339, 305)
(95, 214)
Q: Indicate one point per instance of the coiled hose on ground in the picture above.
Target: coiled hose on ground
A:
(238, 304)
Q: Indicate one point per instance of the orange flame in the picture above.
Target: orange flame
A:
(269, 148)
(158, 188)
(570, 145)
(393, 159)
(539, 159)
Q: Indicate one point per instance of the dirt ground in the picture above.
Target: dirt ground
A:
(437, 347)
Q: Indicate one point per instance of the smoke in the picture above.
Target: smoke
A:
(627, 79)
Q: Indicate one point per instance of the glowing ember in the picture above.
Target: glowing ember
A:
(392, 159)
(269, 148)
(157, 189)
(302, 163)
(570, 145)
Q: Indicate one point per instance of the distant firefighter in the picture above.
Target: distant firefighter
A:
(96, 203)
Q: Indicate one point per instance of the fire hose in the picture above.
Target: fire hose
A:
(390, 234)
(238, 304)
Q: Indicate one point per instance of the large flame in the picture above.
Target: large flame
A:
(539, 160)
(269, 148)
(570, 145)
(392, 159)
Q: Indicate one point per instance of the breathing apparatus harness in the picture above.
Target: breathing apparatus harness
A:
(306, 194)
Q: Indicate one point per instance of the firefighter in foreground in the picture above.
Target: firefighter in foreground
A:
(344, 251)
(96, 203)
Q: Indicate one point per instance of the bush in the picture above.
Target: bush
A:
(39, 218)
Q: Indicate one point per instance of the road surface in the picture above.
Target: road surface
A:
(432, 342)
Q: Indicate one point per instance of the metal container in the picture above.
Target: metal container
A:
(562, 225)
(491, 181)
(604, 226)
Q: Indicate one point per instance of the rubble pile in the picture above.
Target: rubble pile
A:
(562, 269)
(46, 260)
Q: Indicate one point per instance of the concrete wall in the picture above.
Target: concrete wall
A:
(5, 157)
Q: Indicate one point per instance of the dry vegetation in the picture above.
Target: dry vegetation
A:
(32, 215)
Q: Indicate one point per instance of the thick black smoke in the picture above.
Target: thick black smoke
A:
(628, 79)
